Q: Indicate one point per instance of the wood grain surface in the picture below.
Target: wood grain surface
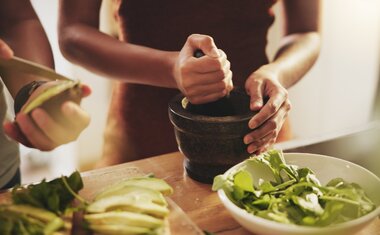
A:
(95, 181)
(201, 205)
(196, 199)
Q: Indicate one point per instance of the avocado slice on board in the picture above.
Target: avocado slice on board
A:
(112, 229)
(124, 218)
(137, 191)
(145, 182)
(128, 203)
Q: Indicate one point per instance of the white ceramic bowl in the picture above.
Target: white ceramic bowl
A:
(325, 168)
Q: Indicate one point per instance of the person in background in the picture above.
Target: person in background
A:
(21, 30)
(151, 63)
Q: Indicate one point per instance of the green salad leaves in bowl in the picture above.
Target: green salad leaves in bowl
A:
(299, 193)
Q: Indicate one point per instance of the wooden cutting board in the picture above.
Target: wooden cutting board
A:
(95, 181)
(179, 222)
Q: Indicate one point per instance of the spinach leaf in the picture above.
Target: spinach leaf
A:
(53, 195)
(295, 196)
(243, 180)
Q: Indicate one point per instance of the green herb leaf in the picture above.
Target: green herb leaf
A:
(295, 196)
(52, 196)
(243, 180)
(219, 182)
(308, 203)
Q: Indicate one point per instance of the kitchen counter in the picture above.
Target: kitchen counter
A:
(196, 199)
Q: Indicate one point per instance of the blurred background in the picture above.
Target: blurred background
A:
(336, 96)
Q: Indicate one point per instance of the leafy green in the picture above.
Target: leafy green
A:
(295, 195)
(53, 196)
(243, 180)
(15, 223)
(36, 208)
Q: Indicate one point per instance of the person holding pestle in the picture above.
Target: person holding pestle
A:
(150, 63)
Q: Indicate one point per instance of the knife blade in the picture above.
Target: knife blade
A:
(29, 67)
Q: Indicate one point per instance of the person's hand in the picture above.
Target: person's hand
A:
(39, 130)
(5, 51)
(203, 79)
(270, 99)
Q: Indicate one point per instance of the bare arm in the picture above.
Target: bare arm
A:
(82, 43)
(201, 80)
(23, 33)
(301, 44)
(299, 51)
(21, 29)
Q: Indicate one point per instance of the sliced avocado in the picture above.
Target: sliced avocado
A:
(124, 218)
(128, 203)
(163, 230)
(113, 229)
(136, 191)
(51, 92)
(145, 182)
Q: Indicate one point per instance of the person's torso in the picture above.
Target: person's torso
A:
(238, 27)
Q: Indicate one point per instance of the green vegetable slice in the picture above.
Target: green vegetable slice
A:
(47, 94)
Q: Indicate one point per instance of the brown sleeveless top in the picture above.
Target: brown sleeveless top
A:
(138, 122)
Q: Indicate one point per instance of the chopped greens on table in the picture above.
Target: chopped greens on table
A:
(37, 209)
(295, 195)
(131, 206)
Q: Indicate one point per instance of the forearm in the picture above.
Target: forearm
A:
(295, 57)
(28, 40)
(102, 54)
(267, 88)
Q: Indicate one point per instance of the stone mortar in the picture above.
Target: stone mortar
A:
(210, 136)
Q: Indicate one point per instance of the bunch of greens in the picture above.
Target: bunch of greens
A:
(28, 220)
(36, 209)
(54, 196)
(294, 196)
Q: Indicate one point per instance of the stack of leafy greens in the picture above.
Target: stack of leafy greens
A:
(36, 209)
(294, 196)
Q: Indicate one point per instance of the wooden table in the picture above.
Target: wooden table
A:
(196, 199)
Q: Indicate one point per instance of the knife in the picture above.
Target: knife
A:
(29, 67)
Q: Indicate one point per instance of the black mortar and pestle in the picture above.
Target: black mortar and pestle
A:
(210, 135)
